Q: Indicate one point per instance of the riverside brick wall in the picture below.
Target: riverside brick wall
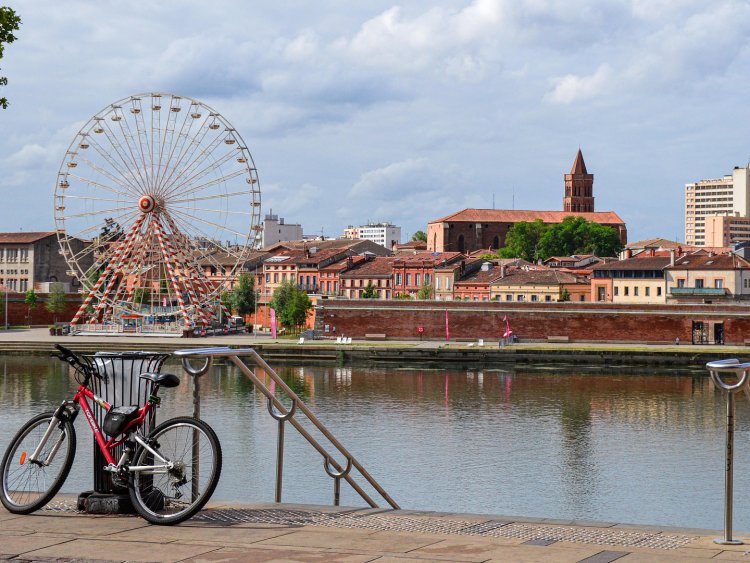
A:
(578, 321)
(18, 310)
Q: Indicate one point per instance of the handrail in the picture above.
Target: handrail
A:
(235, 355)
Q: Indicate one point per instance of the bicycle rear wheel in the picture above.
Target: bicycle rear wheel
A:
(27, 486)
(174, 495)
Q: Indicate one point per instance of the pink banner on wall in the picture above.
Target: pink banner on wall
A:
(447, 330)
(273, 323)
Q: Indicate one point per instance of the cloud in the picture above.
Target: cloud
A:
(572, 88)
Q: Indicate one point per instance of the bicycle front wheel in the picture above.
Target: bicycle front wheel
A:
(174, 484)
(29, 485)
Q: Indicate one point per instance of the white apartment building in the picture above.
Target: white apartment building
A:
(384, 234)
(275, 230)
(727, 196)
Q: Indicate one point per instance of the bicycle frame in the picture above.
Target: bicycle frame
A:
(81, 400)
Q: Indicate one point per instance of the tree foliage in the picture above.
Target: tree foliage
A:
(243, 295)
(425, 292)
(523, 241)
(574, 235)
(142, 295)
(57, 300)
(419, 235)
(404, 296)
(30, 299)
(369, 292)
(291, 304)
(9, 22)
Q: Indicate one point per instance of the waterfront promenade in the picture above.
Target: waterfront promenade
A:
(285, 532)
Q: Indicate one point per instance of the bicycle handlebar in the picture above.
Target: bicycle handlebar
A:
(67, 355)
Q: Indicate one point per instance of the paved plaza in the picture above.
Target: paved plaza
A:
(285, 532)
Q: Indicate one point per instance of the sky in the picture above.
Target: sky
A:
(379, 111)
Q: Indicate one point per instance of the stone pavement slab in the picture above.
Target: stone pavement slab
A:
(269, 532)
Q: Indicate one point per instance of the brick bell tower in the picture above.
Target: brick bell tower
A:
(579, 188)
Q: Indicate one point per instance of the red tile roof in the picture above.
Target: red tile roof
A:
(516, 216)
(637, 263)
(381, 266)
(426, 259)
(481, 277)
(537, 277)
(702, 260)
(23, 238)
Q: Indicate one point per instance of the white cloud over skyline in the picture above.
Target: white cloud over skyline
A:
(402, 112)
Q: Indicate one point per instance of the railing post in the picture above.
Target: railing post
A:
(740, 371)
(282, 418)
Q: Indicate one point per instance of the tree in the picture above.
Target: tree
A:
(227, 300)
(57, 300)
(576, 235)
(9, 22)
(425, 292)
(564, 295)
(243, 295)
(404, 296)
(419, 235)
(291, 304)
(141, 295)
(369, 292)
(523, 240)
(30, 301)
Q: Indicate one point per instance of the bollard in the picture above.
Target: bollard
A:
(740, 371)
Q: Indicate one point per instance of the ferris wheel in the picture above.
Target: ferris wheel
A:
(157, 206)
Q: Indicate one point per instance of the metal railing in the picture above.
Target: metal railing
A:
(283, 415)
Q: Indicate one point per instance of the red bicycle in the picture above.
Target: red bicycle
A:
(170, 473)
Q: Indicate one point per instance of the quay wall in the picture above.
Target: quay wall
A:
(582, 322)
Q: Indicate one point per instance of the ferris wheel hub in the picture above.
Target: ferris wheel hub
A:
(147, 204)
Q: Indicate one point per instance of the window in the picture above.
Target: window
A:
(681, 282)
(519, 298)
(24, 255)
(658, 292)
(398, 279)
(581, 298)
(275, 277)
(408, 279)
(535, 298)
(447, 283)
(509, 297)
(548, 298)
(699, 284)
(427, 278)
(635, 291)
(647, 291)
(268, 277)
(627, 291)
(416, 279)
(437, 283)
(616, 291)
(718, 284)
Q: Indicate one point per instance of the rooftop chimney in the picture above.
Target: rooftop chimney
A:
(672, 253)
(502, 270)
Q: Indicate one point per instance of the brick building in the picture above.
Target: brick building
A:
(30, 259)
(473, 229)
(374, 272)
(412, 271)
(476, 285)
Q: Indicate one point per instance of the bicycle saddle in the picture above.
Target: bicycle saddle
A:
(163, 379)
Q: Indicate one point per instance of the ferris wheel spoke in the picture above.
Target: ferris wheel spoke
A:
(189, 167)
(185, 186)
(83, 233)
(127, 133)
(182, 225)
(143, 141)
(222, 211)
(90, 198)
(95, 184)
(222, 228)
(131, 167)
(168, 142)
(214, 196)
(96, 212)
(187, 150)
(211, 183)
(174, 145)
(124, 182)
(123, 185)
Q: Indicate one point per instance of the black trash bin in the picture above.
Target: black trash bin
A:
(119, 385)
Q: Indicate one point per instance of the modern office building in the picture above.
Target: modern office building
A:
(384, 234)
(728, 196)
(275, 230)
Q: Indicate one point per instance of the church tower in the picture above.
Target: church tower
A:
(579, 188)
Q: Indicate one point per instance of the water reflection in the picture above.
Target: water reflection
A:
(645, 448)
